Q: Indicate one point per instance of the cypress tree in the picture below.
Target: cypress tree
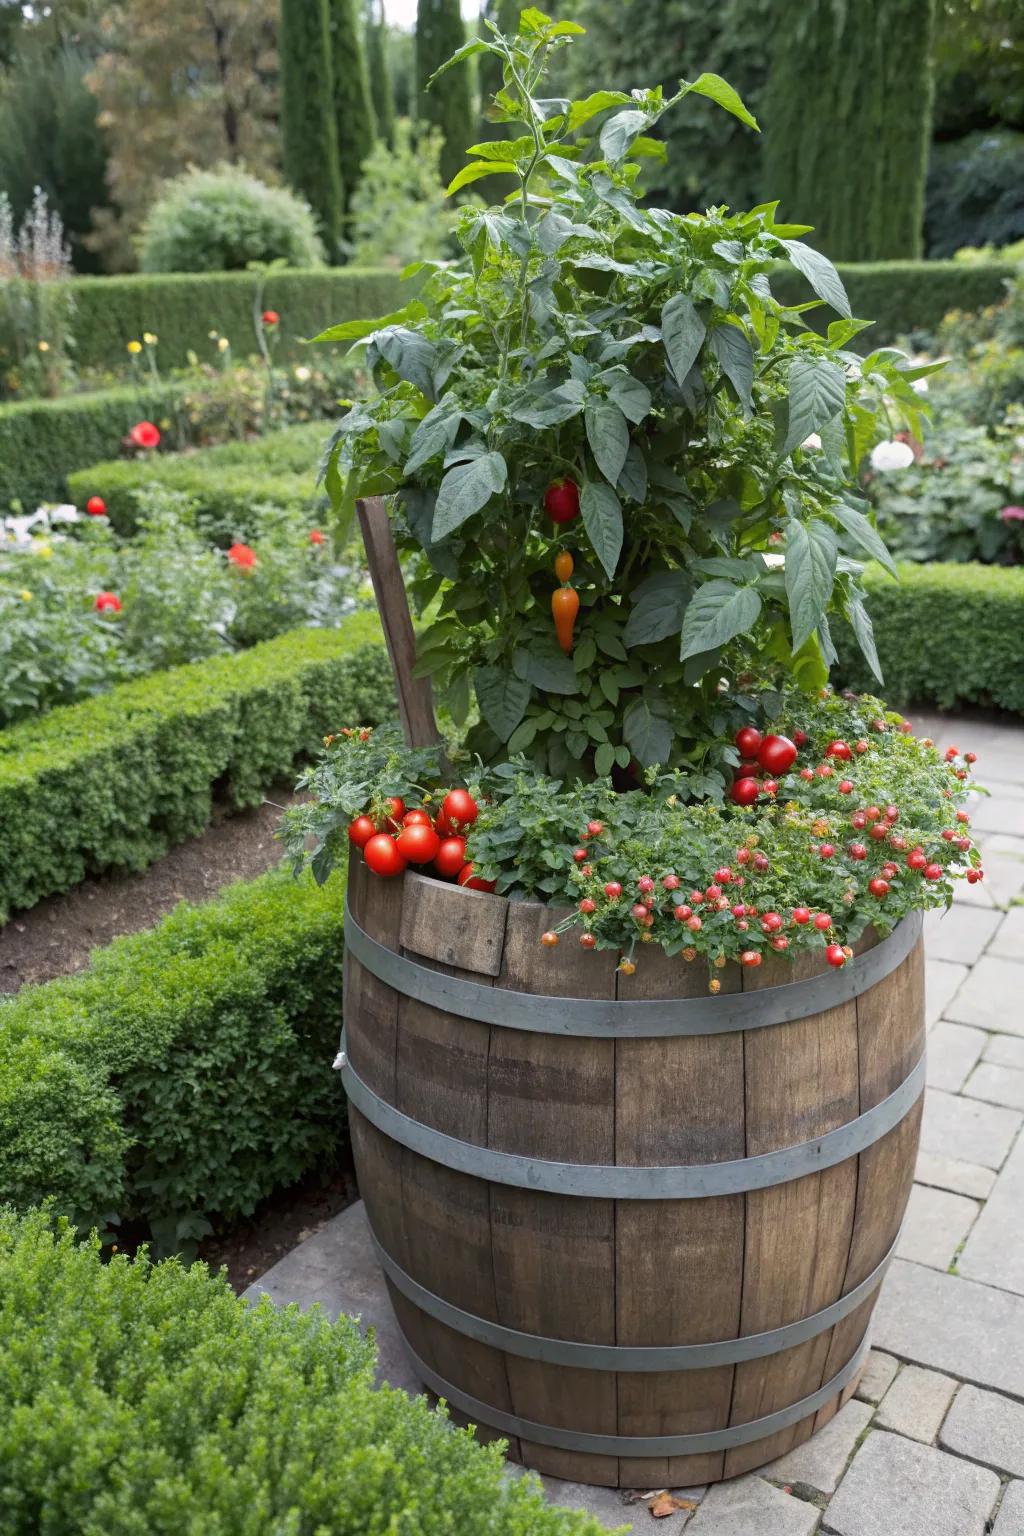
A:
(381, 89)
(309, 134)
(354, 117)
(449, 106)
(847, 121)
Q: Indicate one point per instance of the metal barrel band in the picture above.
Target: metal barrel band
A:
(640, 1445)
(620, 1181)
(628, 1357)
(599, 1018)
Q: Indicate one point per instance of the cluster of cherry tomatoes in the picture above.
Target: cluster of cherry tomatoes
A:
(400, 837)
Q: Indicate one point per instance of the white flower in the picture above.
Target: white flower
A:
(892, 455)
(302, 373)
(919, 386)
(854, 370)
(812, 440)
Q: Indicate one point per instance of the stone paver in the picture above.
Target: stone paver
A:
(820, 1462)
(988, 1428)
(897, 1487)
(935, 1225)
(607, 1505)
(1004, 868)
(953, 1050)
(941, 982)
(959, 936)
(916, 1403)
(973, 895)
(1007, 1050)
(992, 996)
(950, 1173)
(748, 1504)
(1008, 941)
(996, 1085)
(876, 1376)
(953, 1325)
(1002, 811)
(1010, 1519)
(967, 1129)
(995, 1249)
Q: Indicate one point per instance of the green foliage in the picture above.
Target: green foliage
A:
(979, 66)
(151, 1398)
(903, 296)
(36, 303)
(948, 635)
(186, 1074)
(378, 71)
(643, 356)
(847, 112)
(180, 600)
(400, 212)
(220, 220)
(226, 485)
(440, 30)
(113, 782)
(975, 191)
(308, 124)
(354, 116)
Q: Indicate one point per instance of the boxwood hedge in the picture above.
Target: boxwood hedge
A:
(900, 296)
(115, 781)
(145, 1397)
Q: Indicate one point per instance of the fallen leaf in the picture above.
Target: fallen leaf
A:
(667, 1504)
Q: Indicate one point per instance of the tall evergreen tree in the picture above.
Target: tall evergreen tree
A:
(381, 88)
(354, 117)
(449, 106)
(847, 121)
(309, 131)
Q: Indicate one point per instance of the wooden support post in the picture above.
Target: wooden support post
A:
(415, 696)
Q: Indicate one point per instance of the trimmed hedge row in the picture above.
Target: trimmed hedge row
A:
(225, 482)
(149, 1398)
(182, 308)
(187, 1073)
(900, 296)
(113, 782)
(946, 634)
(42, 441)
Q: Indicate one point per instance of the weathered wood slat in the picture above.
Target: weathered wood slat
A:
(415, 697)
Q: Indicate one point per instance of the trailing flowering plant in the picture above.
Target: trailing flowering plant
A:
(616, 386)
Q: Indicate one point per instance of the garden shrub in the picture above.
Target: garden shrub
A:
(227, 484)
(400, 212)
(946, 635)
(149, 1398)
(113, 782)
(975, 191)
(220, 220)
(186, 1074)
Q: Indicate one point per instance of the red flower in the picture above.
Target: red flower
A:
(270, 317)
(96, 506)
(242, 556)
(107, 602)
(145, 435)
(315, 536)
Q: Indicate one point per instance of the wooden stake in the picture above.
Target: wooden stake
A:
(415, 696)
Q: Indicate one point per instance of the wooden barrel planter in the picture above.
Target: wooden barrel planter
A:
(634, 1228)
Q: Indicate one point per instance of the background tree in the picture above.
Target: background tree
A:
(439, 32)
(402, 69)
(505, 16)
(308, 123)
(354, 117)
(847, 122)
(377, 66)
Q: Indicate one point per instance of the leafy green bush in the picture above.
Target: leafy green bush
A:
(400, 212)
(946, 635)
(169, 599)
(186, 1074)
(220, 220)
(975, 193)
(113, 782)
(149, 1398)
(227, 484)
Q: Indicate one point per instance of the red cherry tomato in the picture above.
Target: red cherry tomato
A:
(839, 750)
(744, 791)
(749, 768)
(397, 812)
(360, 831)
(418, 843)
(835, 954)
(382, 855)
(748, 740)
(467, 878)
(418, 818)
(562, 501)
(451, 856)
(777, 755)
(459, 808)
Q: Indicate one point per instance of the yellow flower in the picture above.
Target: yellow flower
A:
(25, 595)
(193, 358)
(223, 344)
(135, 347)
(213, 335)
(42, 547)
(44, 346)
(149, 338)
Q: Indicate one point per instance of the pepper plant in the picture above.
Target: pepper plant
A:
(616, 383)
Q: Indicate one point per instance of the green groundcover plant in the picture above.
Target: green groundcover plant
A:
(626, 480)
(141, 1397)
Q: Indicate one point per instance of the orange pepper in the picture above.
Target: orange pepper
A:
(563, 565)
(565, 605)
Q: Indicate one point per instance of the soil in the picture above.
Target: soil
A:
(56, 936)
(249, 1248)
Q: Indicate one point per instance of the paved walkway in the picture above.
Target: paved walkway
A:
(933, 1444)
